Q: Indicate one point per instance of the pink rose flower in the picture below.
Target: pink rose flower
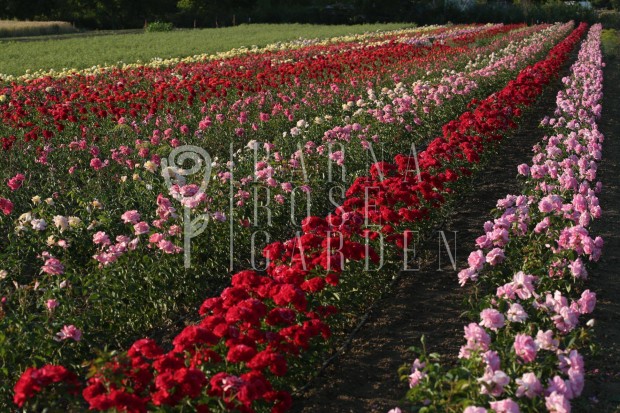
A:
(96, 164)
(491, 358)
(523, 169)
(542, 225)
(467, 274)
(525, 347)
(69, 332)
(493, 382)
(506, 291)
(545, 341)
(155, 238)
(587, 302)
(51, 304)
(166, 246)
(516, 313)
(578, 269)
(483, 242)
(101, 238)
(16, 182)
(560, 386)
(495, 256)
(505, 406)
(566, 319)
(491, 318)
(523, 285)
(415, 378)
(6, 206)
(476, 260)
(529, 386)
(53, 266)
(141, 228)
(131, 217)
(477, 340)
(557, 403)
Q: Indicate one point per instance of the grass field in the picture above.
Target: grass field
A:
(87, 51)
(13, 28)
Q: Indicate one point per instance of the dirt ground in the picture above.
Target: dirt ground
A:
(429, 302)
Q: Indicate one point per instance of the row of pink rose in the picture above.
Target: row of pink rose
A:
(423, 95)
(554, 211)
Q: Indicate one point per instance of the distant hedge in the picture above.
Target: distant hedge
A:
(124, 14)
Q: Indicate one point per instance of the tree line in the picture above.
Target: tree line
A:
(124, 14)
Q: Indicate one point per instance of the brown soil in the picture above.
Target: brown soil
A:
(429, 302)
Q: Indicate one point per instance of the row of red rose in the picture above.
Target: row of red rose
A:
(43, 108)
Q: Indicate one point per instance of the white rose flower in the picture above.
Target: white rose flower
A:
(74, 221)
(38, 224)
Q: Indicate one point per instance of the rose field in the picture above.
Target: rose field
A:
(413, 219)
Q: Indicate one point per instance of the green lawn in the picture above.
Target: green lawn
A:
(87, 51)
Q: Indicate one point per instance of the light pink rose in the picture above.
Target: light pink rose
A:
(51, 304)
(523, 169)
(529, 386)
(101, 238)
(131, 217)
(69, 332)
(505, 406)
(516, 313)
(525, 347)
(495, 256)
(557, 403)
(545, 341)
(476, 260)
(141, 228)
(53, 266)
(587, 302)
(491, 318)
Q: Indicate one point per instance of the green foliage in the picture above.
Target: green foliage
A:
(610, 42)
(549, 12)
(108, 14)
(610, 19)
(159, 27)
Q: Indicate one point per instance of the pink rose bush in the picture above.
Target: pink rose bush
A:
(16, 182)
(523, 355)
